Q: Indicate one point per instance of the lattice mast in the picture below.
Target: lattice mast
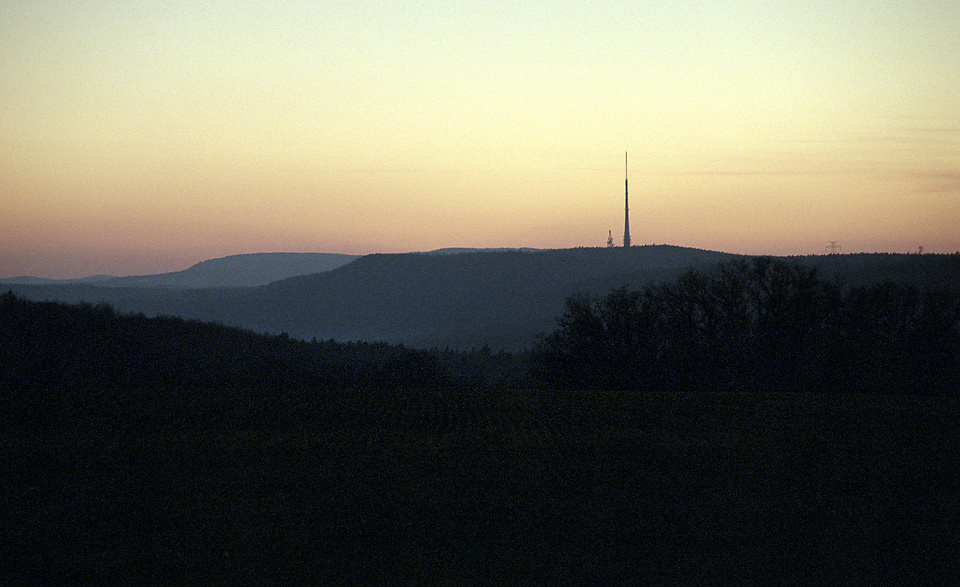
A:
(626, 204)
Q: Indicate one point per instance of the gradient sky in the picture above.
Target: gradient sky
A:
(141, 137)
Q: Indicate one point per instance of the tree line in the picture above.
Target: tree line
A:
(760, 325)
(51, 344)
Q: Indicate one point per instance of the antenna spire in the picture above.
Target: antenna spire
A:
(626, 204)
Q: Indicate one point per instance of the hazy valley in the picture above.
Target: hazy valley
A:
(451, 298)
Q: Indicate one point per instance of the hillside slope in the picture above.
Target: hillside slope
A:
(498, 298)
(232, 271)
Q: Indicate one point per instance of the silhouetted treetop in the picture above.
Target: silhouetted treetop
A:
(759, 325)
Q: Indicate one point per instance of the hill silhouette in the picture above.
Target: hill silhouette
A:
(502, 299)
(50, 345)
(232, 271)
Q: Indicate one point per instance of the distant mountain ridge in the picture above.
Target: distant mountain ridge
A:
(461, 250)
(246, 270)
(500, 298)
(242, 270)
(31, 280)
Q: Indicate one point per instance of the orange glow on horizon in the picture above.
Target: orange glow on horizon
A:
(144, 140)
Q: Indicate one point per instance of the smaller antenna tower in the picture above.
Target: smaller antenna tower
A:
(609, 238)
(833, 247)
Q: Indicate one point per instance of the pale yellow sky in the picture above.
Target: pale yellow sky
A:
(139, 137)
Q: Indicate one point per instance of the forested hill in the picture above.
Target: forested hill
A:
(50, 344)
(502, 299)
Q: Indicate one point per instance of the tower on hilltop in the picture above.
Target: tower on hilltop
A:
(626, 204)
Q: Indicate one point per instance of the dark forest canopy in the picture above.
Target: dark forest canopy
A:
(195, 452)
(759, 325)
(55, 344)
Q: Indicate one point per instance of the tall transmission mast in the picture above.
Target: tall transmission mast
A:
(626, 204)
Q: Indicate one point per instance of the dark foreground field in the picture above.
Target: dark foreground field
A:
(389, 487)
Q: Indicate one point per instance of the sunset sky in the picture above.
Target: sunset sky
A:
(142, 137)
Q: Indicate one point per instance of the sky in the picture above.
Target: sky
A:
(140, 137)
